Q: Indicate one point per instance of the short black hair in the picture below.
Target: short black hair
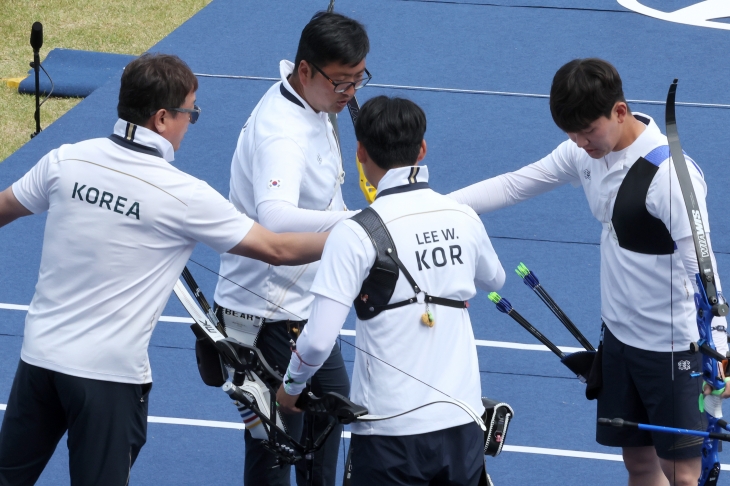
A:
(584, 90)
(330, 37)
(152, 82)
(391, 130)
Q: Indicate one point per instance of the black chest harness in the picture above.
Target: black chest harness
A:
(636, 229)
(378, 287)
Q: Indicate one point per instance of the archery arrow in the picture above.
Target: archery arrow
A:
(530, 279)
(579, 363)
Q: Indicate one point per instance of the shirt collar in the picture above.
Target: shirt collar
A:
(403, 176)
(649, 139)
(286, 68)
(143, 136)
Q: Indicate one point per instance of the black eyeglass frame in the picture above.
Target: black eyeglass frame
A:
(194, 112)
(354, 84)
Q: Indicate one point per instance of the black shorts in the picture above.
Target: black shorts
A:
(638, 387)
(453, 456)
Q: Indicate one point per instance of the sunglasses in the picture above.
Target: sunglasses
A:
(194, 112)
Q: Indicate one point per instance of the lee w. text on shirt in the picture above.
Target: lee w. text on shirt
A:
(437, 255)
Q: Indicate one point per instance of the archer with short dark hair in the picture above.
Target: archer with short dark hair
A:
(648, 265)
(408, 264)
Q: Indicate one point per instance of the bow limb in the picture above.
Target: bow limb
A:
(354, 108)
(707, 301)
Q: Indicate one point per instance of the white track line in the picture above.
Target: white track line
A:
(348, 332)
(468, 91)
(499, 344)
(184, 320)
(14, 307)
(508, 448)
(196, 423)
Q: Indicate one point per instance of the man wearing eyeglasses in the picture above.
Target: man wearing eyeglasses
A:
(286, 174)
(122, 222)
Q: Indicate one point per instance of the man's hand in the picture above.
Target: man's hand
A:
(287, 403)
(725, 394)
(707, 389)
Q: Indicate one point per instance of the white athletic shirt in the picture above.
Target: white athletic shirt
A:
(287, 154)
(121, 225)
(447, 251)
(635, 288)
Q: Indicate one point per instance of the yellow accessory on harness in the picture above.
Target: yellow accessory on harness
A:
(427, 318)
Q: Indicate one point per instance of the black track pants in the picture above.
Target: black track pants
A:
(106, 423)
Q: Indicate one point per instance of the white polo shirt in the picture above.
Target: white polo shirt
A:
(121, 225)
(446, 249)
(286, 152)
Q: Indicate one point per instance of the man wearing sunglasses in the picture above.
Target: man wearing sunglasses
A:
(122, 222)
(286, 174)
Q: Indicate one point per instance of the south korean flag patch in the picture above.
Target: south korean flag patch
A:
(274, 183)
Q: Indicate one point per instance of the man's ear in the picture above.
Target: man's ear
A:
(156, 122)
(621, 109)
(362, 154)
(422, 151)
(304, 71)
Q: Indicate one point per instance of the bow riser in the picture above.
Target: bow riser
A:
(710, 371)
(710, 447)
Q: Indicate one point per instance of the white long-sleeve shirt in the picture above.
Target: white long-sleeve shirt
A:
(286, 174)
(639, 293)
(446, 249)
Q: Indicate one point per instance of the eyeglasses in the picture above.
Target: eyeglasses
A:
(194, 112)
(345, 85)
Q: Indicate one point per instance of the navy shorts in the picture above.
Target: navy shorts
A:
(652, 388)
(453, 456)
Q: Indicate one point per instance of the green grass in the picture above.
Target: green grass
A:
(120, 26)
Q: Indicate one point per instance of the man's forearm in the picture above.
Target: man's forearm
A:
(315, 344)
(508, 189)
(10, 207)
(482, 197)
(280, 249)
(282, 216)
(300, 248)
